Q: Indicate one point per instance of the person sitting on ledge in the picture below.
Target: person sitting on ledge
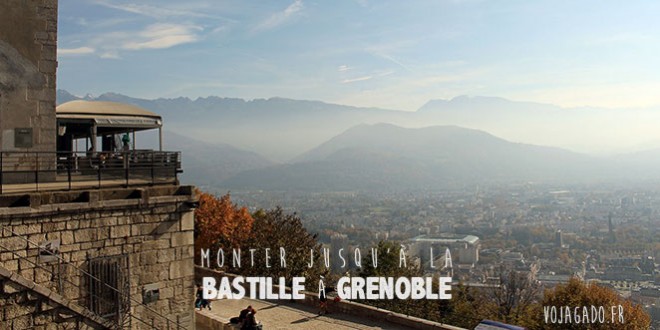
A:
(250, 322)
(241, 316)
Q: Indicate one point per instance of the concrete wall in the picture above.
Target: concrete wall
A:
(28, 65)
(153, 227)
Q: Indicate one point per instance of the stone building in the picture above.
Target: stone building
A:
(466, 247)
(104, 245)
(28, 63)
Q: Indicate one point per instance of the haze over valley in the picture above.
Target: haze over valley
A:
(282, 144)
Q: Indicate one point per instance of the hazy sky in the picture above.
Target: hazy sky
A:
(390, 54)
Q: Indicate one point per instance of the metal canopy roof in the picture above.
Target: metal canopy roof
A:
(108, 114)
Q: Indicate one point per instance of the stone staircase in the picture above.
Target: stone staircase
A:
(25, 304)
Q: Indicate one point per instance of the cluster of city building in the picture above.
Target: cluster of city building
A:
(605, 233)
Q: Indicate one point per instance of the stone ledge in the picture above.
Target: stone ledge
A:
(16, 211)
(213, 322)
(58, 202)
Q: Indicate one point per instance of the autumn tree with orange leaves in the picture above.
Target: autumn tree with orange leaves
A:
(578, 293)
(220, 224)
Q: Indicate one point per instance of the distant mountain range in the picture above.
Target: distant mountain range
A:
(282, 129)
(277, 128)
(208, 165)
(388, 157)
(310, 145)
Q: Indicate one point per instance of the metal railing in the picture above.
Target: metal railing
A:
(37, 171)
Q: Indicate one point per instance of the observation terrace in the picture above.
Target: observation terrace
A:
(106, 133)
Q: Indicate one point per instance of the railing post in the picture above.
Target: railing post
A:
(68, 169)
(176, 167)
(99, 171)
(127, 161)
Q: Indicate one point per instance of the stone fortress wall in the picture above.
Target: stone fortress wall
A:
(152, 228)
(28, 63)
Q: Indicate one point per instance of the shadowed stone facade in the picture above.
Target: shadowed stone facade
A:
(28, 53)
(152, 228)
(28, 65)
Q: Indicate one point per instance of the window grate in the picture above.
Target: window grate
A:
(109, 288)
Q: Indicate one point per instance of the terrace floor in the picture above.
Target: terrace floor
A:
(285, 315)
(91, 183)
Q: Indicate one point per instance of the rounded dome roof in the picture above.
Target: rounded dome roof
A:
(104, 108)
